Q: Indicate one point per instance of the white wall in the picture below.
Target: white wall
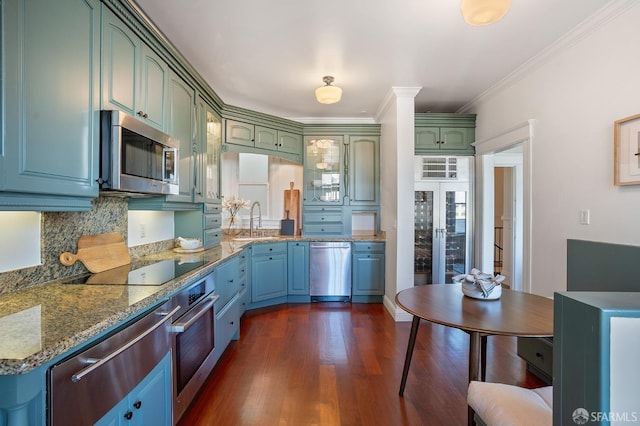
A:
(575, 93)
(145, 227)
(20, 243)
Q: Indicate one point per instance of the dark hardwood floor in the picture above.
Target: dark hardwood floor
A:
(341, 364)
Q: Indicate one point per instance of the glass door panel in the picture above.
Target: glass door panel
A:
(212, 165)
(456, 234)
(323, 173)
(423, 238)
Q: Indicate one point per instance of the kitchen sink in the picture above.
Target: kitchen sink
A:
(253, 238)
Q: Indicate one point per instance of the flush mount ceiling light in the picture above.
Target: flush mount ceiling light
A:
(328, 94)
(484, 12)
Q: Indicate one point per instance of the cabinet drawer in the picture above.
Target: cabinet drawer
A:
(269, 248)
(227, 325)
(212, 237)
(537, 352)
(368, 246)
(212, 221)
(323, 229)
(212, 208)
(323, 217)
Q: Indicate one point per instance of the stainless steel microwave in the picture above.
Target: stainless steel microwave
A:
(136, 157)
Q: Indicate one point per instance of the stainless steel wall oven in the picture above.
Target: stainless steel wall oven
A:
(193, 342)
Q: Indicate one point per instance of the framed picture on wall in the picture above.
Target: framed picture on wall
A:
(626, 151)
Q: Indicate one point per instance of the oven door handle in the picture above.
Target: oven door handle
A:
(97, 362)
(181, 327)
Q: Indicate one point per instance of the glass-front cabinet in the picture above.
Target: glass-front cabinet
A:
(212, 163)
(323, 170)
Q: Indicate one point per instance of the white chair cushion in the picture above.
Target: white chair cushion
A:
(506, 405)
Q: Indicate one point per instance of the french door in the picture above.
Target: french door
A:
(442, 231)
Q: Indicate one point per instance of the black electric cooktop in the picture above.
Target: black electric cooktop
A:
(156, 273)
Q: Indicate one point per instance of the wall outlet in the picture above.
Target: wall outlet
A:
(585, 216)
(143, 231)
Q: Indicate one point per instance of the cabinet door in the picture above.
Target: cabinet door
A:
(454, 138)
(323, 170)
(290, 143)
(239, 133)
(120, 57)
(363, 171)
(266, 138)
(368, 274)
(213, 144)
(182, 127)
(427, 138)
(50, 97)
(153, 89)
(151, 401)
(268, 277)
(298, 263)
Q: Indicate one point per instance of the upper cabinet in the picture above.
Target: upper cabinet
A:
(444, 134)
(246, 137)
(135, 78)
(182, 118)
(323, 170)
(208, 155)
(341, 178)
(50, 104)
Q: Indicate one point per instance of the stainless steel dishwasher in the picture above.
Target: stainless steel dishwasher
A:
(330, 270)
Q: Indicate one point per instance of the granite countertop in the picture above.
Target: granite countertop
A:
(41, 323)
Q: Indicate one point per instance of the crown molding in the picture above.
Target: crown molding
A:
(608, 12)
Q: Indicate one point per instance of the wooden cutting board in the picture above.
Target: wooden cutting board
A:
(292, 204)
(99, 252)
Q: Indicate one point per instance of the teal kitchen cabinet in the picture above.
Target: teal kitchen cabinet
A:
(323, 221)
(298, 271)
(243, 277)
(135, 78)
(268, 273)
(368, 271)
(182, 108)
(363, 172)
(149, 403)
(50, 103)
(264, 139)
(444, 134)
(239, 133)
(227, 307)
(207, 154)
(205, 223)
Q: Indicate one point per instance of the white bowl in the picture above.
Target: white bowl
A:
(188, 243)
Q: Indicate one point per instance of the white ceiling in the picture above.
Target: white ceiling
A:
(269, 56)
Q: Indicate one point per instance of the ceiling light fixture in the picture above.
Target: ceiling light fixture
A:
(328, 94)
(484, 12)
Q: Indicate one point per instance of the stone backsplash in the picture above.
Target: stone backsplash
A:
(60, 232)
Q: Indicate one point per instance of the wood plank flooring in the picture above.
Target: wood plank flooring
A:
(341, 364)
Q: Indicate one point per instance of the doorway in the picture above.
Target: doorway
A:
(509, 149)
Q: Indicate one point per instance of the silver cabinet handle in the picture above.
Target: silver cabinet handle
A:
(97, 362)
(181, 327)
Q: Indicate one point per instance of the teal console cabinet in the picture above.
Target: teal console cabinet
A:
(50, 103)
(444, 134)
(135, 78)
(268, 273)
(149, 403)
(368, 271)
(298, 271)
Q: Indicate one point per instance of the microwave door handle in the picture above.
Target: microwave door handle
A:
(164, 164)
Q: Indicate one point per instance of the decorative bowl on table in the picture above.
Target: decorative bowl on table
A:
(479, 285)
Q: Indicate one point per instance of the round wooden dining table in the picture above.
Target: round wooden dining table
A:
(515, 313)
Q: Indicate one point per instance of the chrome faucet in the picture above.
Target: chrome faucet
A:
(255, 203)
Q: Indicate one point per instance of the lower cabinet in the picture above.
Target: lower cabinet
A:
(368, 271)
(149, 403)
(298, 271)
(268, 272)
(227, 326)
